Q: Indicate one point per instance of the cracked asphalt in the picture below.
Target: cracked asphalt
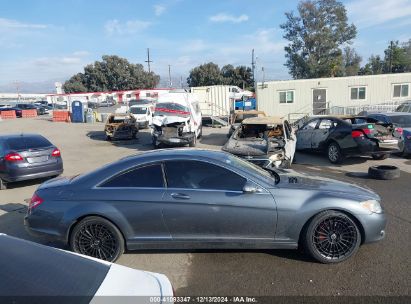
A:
(380, 269)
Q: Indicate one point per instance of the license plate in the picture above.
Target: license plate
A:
(40, 159)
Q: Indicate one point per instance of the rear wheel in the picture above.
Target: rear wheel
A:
(97, 237)
(379, 156)
(334, 153)
(332, 237)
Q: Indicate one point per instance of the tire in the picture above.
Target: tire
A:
(384, 172)
(106, 244)
(285, 164)
(329, 243)
(3, 185)
(334, 153)
(108, 138)
(200, 134)
(379, 156)
(193, 142)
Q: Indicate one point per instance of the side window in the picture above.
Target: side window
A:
(201, 175)
(150, 176)
(327, 124)
(311, 125)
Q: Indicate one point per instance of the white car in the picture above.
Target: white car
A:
(177, 120)
(32, 270)
(143, 114)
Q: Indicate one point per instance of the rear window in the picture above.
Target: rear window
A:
(27, 142)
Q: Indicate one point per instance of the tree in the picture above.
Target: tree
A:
(111, 74)
(374, 66)
(205, 75)
(350, 62)
(316, 36)
(211, 74)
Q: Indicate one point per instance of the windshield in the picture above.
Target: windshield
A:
(243, 164)
(403, 121)
(138, 110)
(171, 108)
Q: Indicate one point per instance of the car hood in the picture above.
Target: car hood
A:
(299, 180)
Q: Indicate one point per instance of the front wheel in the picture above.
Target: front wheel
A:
(97, 237)
(334, 153)
(332, 237)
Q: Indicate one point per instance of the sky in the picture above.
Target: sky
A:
(44, 41)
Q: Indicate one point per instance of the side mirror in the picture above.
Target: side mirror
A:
(250, 187)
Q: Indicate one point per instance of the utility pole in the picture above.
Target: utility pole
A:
(170, 84)
(391, 57)
(262, 69)
(148, 60)
(181, 81)
(17, 89)
(253, 67)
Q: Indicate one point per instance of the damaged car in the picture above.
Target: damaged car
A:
(265, 141)
(176, 122)
(121, 126)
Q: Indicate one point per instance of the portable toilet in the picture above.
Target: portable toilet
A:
(77, 111)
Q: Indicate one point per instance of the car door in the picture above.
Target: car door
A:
(290, 141)
(322, 132)
(206, 202)
(137, 196)
(304, 134)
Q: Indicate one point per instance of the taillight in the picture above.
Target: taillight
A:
(56, 153)
(399, 130)
(356, 134)
(13, 157)
(35, 201)
(366, 131)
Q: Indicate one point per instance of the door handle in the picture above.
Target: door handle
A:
(180, 196)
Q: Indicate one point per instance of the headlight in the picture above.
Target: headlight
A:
(372, 205)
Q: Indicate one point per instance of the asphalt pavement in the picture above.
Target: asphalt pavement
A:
(380, 269)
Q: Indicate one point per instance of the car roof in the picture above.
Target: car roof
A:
(394, 114)
(20, 135)
(268, 120)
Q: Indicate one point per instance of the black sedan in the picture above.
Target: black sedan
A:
(203, 199)
(16, 110)
(27, 106)
(27, 156)
(344, 136)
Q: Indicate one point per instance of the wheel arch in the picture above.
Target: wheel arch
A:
(350, 215)
(79, 219)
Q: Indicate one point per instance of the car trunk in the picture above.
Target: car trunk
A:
(385, 134)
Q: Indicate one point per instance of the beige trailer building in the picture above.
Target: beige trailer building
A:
(339, 95)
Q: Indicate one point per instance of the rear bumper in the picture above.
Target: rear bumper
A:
(16, 174)
(369, 147)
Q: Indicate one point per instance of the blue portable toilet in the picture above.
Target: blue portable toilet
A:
(77, 111)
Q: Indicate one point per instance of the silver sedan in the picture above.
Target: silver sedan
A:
(197, 199)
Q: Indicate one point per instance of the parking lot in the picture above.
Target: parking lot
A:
(378, 269)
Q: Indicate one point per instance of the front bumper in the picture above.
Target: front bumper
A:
(374, 226)
(185, 139)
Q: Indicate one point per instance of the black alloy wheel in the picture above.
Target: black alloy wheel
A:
(98, 238)
(332, 237)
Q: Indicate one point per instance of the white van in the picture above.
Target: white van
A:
(143, 114)
(177, 120)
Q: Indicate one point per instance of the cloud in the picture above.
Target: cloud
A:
(369, 13)
(114, 26)
(159, 9)
(14, 24)
(219, 18)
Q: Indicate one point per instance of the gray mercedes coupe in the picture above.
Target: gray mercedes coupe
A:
(203, 199)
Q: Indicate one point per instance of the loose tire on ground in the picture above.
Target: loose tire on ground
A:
(97, 237)
(384, 172)
(331, 237)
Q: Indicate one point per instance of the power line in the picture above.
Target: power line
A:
(148, 60)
